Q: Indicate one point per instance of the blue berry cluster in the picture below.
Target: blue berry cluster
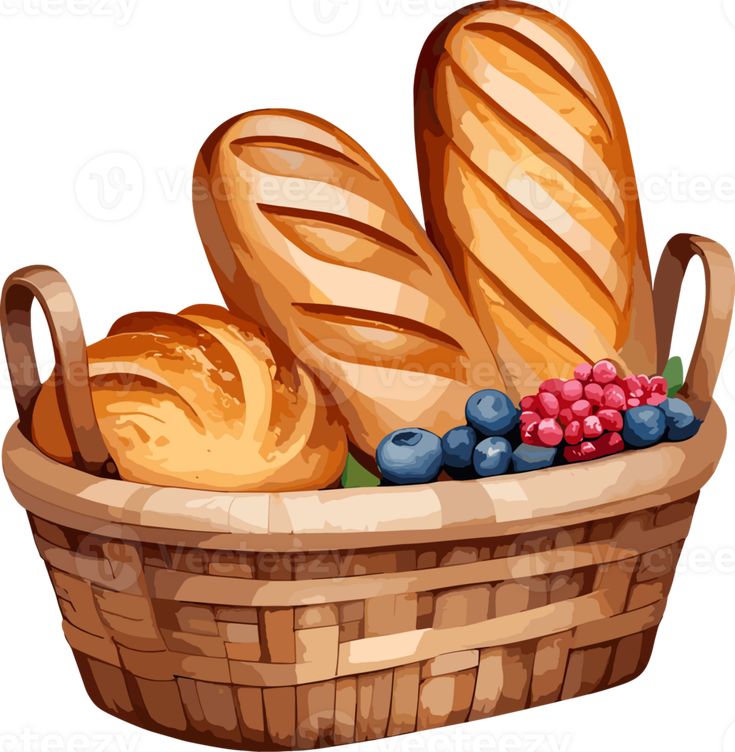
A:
(490, 444)
(481, 449)
(672, 420)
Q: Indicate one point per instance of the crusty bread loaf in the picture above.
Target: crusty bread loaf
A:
(199, 400)
(529, 192)
(307, 235)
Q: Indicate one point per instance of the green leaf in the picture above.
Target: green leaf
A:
(356, 476)
(674, 375)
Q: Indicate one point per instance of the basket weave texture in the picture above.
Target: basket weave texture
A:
(232, 647)
(304, 620)
(255, 647)
(237, 661)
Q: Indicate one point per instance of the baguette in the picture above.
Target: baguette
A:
(199, 400)
(529, 192)
(307, 235)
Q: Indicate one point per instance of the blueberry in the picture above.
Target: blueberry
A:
(644, 426)
(491, 413)
(458, 445)
(680, 421)
(527, 458)
(492, 457)
(409, 456)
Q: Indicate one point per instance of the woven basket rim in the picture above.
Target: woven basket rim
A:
(368, 517)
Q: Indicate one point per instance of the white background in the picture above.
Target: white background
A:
(104, 106)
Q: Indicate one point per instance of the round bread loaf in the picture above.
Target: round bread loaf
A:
(200, 400)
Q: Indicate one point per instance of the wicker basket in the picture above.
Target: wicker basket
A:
(309, 619)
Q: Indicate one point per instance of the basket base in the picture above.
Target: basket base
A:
(121, 695)
(244, 649)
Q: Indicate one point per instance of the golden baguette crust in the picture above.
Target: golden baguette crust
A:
(529, 191)
(308, 236)
(199, 400)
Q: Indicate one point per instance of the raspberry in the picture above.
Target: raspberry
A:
(528, 403)
(550, 433)
(613, 397)
(566, 416)
(581, 409)
(573, 433)
(592, 427)
(610, 420)
(529, 416)
(604, 372)
(614, 443)
(659, 385)
(610, 443)
(572, 391)
(633, 385)
(529, 432)
(583, 372)
(587, 412)
(551, 386)
(548, 405)
(593, 393)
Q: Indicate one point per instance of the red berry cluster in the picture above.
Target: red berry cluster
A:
(586, 413)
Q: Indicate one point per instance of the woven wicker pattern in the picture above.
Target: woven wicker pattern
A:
(300, 650)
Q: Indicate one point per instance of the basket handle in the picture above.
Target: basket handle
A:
(709, 351)
(50, 289)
